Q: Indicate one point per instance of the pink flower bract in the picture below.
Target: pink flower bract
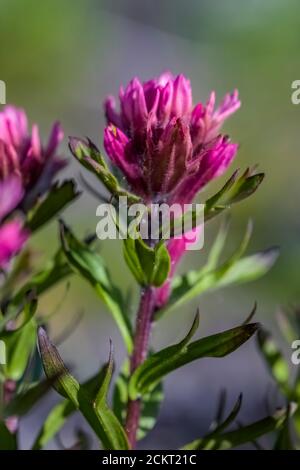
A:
(167, 148)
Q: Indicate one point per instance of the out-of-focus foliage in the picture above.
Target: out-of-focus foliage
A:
(281, 370)
(60, 61)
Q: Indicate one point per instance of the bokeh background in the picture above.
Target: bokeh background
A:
(59, 59)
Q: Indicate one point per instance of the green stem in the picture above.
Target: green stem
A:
(140, 350)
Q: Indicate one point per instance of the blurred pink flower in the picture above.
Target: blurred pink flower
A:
(12, 234)
(22, 154)
(11, 193)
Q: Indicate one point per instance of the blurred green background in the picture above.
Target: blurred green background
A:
(60, 58)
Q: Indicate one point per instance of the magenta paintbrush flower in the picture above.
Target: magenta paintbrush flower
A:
(12, 234)
(22, 153)
(167, 148)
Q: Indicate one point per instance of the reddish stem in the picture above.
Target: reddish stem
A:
(140, 350)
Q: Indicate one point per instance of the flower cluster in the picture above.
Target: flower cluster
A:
(26, 171)
(167, 148)
(23, 155)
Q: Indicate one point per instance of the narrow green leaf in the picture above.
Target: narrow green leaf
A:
(245, 187)
(56, 270)
(115, 436)
(20, 345)
(53, 423)
(250, 268)
(214, 211)
(150, 266)
(171, 358)
(84, 150)
(62, 411)
(220, 412)
(232, 192)
(233, 271)
(275, 361)
(241, 436)
(146, 258)
(162, 264)
(286, 326)
(230, 418)
(132, 260)
(217, 248)
(91, 267)
(251, 315)
(296, 419)
(90, 157)
(55, 200)
(98, 415)
(191, 332)
(211, 202)
(242, 247)
(284, 439)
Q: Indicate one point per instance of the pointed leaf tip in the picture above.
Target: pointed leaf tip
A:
(193, 329)
(150, 373)
(66, 385)
(251, 315)
(51, 204)
(97, 413)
